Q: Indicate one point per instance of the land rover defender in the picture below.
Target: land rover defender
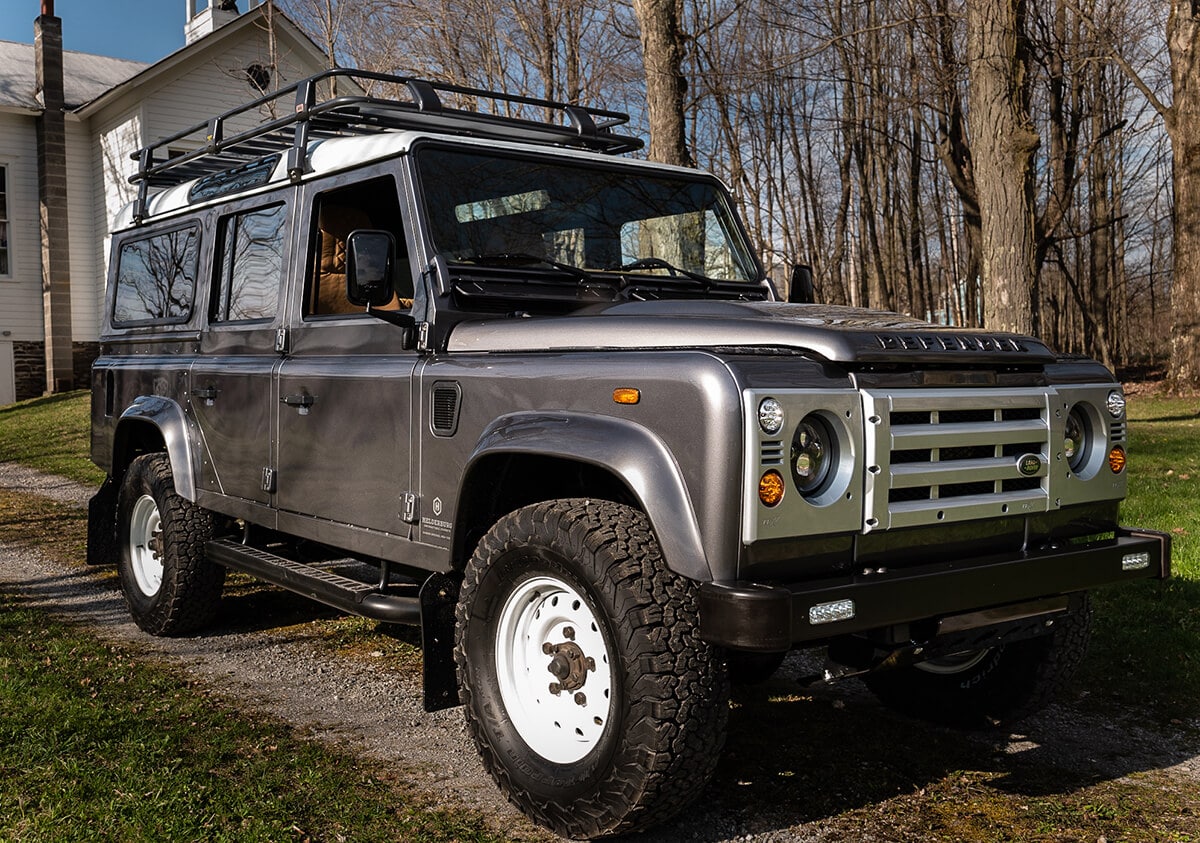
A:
(442, 356)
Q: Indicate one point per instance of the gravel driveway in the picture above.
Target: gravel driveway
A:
(375, 712)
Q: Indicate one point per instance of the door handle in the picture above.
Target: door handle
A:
(207, 394)
(301, 401)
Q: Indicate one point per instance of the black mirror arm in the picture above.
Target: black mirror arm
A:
(392, 317)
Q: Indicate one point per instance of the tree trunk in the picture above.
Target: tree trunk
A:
(1003, 141)
(1183, 125)
(663, 49)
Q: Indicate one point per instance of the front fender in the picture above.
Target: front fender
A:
(171, 422)
(632, 453)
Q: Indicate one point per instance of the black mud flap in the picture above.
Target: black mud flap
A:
(439, 595)
(102, 525)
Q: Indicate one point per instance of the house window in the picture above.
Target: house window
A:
(156, 278)
(5, 259)
(248, 278)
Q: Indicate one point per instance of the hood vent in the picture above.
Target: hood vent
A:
(951, 342)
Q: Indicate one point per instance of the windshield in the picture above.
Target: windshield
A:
(491, 209)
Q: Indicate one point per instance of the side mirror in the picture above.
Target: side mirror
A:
(370, 257)
(800, 291)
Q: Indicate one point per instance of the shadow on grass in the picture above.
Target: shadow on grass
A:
(797, 756)
(1178, 418)
(44, 401)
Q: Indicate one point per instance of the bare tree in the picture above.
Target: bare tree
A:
(845, 132)
(1003, 142)
(663, 51)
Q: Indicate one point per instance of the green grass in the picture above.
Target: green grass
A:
(98, 743)
(1146, 645)
(50, 434)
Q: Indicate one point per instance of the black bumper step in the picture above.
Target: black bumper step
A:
(353, 596)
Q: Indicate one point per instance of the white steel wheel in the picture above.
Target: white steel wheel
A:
(145, 545)
(950, 665)
(552, 667)
(169, 584)
(589, 694)
(993, 687)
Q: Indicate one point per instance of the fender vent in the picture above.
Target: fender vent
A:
(444, 411)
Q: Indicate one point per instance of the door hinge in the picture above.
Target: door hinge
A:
(268, 480)
(411, 513)
(281, 340)
(422, 336)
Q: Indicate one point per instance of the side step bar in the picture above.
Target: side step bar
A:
(432, 611)
(357, 598)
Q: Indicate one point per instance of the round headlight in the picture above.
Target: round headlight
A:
(813, 453)
(770, 416)
(1115, 404)
(1075, 438)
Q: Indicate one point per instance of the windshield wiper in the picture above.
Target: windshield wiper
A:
(659, 263)
(524, 259)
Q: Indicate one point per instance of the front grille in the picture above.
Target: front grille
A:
(941, 451)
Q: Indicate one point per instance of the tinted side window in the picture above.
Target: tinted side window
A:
(156, 278)
(251, 267)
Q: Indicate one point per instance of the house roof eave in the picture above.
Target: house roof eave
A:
(201, 45)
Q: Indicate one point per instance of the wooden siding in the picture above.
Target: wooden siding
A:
(21, 290)
(87, 287)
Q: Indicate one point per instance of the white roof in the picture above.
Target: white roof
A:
(334, 154)
(85, 76)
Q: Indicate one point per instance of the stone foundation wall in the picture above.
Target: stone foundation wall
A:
(85, 354)
(29, 364)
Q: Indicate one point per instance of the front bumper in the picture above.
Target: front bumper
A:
(773, 618)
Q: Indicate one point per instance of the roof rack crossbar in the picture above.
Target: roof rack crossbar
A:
(216, 147)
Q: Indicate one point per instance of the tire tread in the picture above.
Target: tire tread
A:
(679, 696)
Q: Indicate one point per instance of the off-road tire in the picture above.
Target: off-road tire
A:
(1008, 684)
(665, 724)
(189, 592)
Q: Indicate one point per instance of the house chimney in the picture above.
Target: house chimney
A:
(52, 200)
(215, 15)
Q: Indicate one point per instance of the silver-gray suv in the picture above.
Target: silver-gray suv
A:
(433, 364)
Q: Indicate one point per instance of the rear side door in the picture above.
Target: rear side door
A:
(232, 381)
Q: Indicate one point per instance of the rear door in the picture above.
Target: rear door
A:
(232, 381)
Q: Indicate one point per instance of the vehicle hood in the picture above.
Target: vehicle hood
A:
(838, 334)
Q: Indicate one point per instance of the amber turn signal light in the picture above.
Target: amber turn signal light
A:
(770, 488)
(627, 395)
(1116, 459)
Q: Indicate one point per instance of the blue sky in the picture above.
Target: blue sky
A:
(144, 30)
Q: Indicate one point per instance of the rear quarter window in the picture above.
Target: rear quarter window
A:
(156, 278)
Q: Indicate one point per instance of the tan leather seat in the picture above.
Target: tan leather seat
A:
(335, 223)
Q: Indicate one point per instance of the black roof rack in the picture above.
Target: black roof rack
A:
(314, 118)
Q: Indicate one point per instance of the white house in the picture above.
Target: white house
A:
(69, 123)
